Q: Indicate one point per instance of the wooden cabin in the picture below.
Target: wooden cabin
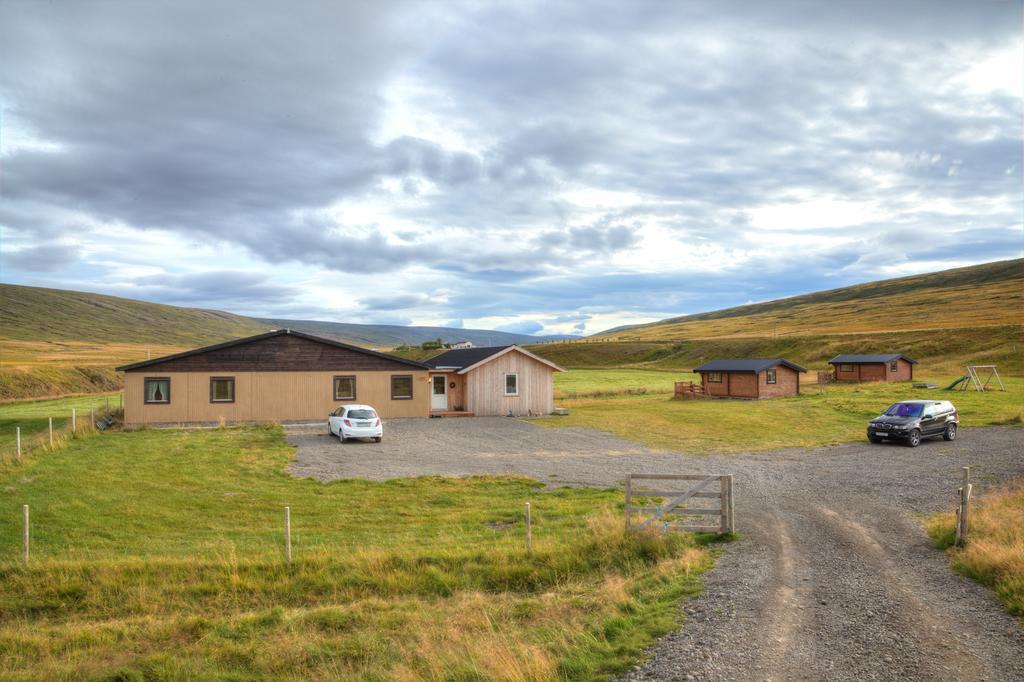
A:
(884, 367)
(751, 378)
(490, 381)
(280, 376)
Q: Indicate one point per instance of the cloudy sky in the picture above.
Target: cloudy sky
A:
(543, 167)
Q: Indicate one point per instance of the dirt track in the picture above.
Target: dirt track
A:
(834, 577)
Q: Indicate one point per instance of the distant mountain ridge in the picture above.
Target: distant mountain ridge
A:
(389, 336)
(40, 314)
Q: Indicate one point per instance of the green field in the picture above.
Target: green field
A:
(158, 554)
(838, 414)
(595, 383)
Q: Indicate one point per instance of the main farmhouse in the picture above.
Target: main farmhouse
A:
(285, 375)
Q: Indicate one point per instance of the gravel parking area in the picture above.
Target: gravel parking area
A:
(833, 578)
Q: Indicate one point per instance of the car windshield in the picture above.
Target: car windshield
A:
(904, 410)
(362, 414)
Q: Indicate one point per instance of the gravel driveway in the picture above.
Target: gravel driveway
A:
(833, 578)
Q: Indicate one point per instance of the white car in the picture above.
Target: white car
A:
(355, 421)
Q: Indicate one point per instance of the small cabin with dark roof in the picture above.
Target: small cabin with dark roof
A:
(491, 381)
(751, 378)
(280, 376)
(882, 367)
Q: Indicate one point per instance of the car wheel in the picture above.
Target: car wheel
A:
(377, 439)
(342, 438)
(950, 432)
(914, 438)
(874, 439)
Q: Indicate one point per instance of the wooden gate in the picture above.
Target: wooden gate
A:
(682, 489)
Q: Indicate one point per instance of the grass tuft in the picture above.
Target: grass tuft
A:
(994, 553)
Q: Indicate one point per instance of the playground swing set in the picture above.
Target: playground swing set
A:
(973, 379)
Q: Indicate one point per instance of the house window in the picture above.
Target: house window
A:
(345, 388)
(894, 366)
(158, 390)
(511, 384)
(222, 389)
(401, 387)
(714, 377)
(846, 368)
(769, 376)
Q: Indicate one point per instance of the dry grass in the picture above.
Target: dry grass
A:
(994, 553)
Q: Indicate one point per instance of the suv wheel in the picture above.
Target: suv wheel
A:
(950, 432)
(874, 439)
(914, 438)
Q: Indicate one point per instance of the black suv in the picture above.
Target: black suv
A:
(912, 420)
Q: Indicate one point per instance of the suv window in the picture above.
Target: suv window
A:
(904, 410)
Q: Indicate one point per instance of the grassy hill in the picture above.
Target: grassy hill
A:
(939, 350)
(35, 314)
(980, 295)
(56, 342)
(945, 319)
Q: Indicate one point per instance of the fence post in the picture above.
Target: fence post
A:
(288, 534)
(92, 416)
(17, 437)
(963, 509)
(51, 432)
(629, 498)
(529, 530)
(24, 532)
(74, 421)
(728, 523)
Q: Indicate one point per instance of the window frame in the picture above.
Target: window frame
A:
(771, 376)
(216, 400)
(714, 377)
(894, 365)
(412, 386)
(847, 367)
(145, 391)
(505, 385)
(334, 387)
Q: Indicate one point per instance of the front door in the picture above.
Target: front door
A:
(439, 392)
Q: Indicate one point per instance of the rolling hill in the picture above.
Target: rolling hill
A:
(976, 296)
(37, 314)
(57, 342)
(947, 319)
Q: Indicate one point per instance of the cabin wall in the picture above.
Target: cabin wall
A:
(904, 371)
(787, 383)
(485, 387)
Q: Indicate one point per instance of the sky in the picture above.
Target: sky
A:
(539, 167)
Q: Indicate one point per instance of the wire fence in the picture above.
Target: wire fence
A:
(39, 435)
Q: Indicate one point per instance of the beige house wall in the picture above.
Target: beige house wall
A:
(269, 396)
(485, 387)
